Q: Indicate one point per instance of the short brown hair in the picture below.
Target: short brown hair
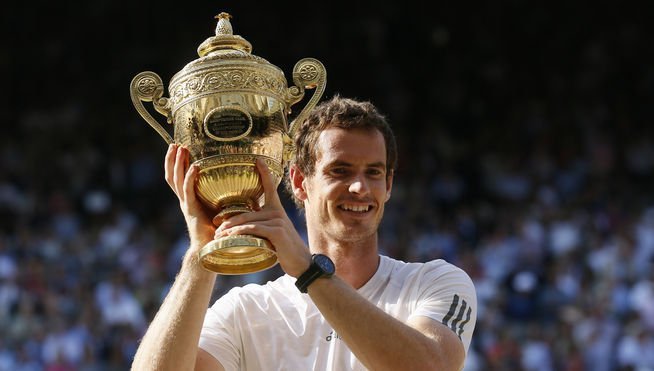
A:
(338, 112)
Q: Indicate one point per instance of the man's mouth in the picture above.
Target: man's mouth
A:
(355, 208)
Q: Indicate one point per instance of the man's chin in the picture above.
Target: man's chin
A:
(355, 233)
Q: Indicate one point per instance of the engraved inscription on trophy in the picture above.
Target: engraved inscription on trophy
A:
(228, 124)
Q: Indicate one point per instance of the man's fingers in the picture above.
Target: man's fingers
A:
(269, 186)
(251, 217)
(189, 184)
(169, 164)
(218, 220)
(264, 230)
(179, 171)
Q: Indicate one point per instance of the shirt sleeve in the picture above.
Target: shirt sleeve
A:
(219, 336)
(447, 294)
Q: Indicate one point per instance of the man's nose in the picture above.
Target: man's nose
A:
(359, 186)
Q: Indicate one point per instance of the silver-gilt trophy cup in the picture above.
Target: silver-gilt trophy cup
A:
(230, 108)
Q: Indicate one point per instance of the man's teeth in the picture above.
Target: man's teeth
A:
(355, 208)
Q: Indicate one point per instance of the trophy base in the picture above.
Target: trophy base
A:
(240, 254)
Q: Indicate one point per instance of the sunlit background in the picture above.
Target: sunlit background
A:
(526, 158)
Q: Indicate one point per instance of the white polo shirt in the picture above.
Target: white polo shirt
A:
(275, 327)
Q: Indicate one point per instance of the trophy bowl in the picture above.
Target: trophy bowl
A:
(230, 108)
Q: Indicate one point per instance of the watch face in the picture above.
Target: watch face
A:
(325, 264)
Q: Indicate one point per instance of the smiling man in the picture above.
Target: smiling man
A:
(340, 305)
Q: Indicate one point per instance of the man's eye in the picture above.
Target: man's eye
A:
(339, 171)
(375, 172)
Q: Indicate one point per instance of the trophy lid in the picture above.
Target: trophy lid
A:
(227, 66)
(224, 39)
(225, 51)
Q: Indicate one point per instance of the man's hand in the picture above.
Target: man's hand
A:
(181, 178)
(272, 223)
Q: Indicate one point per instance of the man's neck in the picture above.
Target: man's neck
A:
(356, 262)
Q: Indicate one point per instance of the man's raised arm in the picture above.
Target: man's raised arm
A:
(171, 341)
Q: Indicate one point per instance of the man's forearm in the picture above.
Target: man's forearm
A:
(171, 341)
(380, 341)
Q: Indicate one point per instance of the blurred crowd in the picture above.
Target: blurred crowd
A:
(526, 158)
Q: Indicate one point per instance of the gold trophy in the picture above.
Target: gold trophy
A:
(229, 108)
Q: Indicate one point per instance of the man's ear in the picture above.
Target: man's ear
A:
(389, 185)
(297, 182)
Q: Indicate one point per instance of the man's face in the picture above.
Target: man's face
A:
(345, 196)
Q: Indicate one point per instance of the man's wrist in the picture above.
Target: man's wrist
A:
(192, 262)
(321, 267)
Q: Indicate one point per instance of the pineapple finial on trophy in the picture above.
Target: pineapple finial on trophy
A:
(224, 27)
(224, 40)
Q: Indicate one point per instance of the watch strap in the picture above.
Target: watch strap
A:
(307, 279)
(310, 275)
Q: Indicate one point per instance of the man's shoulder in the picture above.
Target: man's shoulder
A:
(437, 269)
(438, 265)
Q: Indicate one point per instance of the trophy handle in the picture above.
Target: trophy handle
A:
(308, 73)
(148, 87)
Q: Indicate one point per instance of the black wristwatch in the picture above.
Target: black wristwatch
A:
(321, 266)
